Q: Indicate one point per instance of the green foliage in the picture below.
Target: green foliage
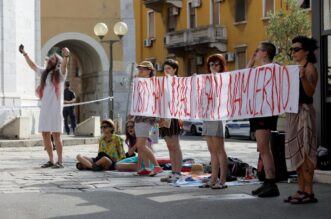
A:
(285, 25)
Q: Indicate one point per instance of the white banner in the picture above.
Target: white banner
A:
(254, 92)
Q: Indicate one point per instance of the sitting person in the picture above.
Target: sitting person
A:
(132, 162)
(110, 150)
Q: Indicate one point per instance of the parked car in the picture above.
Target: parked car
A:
(193, 126)
(239, 128)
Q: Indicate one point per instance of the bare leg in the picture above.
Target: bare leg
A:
(218, 143)
(263, 140)
(105, 163)
(214, 160)
(308, 175)
(175, 153)
(141, 145)
(48, 145)
(86, 162)
(126, 167)
(59, 146)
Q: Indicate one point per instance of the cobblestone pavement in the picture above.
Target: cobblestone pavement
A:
(21, 172)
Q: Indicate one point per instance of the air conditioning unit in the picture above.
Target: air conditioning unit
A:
(196, 3)
(229, 57)
(158, 67)
(174, 11)
(148, 42)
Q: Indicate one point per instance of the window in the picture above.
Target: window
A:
(172, 18)
(215, 12)
(191, 14)
(151, 24)
(304, 3)
(241, 58)
(240, 10)
(268, 7)
(327, 14)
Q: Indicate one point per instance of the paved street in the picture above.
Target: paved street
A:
(27, 191)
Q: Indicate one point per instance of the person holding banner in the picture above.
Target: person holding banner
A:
(144, 124)
(170, 130)
(213, 130)
(50, 92)
(300, 137)
(263, 126)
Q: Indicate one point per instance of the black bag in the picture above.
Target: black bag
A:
(237, 167)
(324, 162)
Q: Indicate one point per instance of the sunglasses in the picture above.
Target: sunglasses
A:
(105, 126)
(214, 64)
(295, 49)
(142, 68)
(130, 126)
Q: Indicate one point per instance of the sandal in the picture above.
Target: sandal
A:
(57, 165)
(294, 196)
(304, 199)
(219, 186)
(47, 164)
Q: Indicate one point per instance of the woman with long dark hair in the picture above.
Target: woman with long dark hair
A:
(50, 92)
(300, 138)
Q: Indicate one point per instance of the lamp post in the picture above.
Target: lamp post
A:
(100, 30)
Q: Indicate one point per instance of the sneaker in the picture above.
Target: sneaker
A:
(156, 171)
(259, 189)
(269, 190)
(143, 172)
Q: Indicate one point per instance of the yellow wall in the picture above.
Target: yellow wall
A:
(249, 33)
(60, 16)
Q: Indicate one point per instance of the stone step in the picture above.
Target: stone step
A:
(37, 141)
(322, 176)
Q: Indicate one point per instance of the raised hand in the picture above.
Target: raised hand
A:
(65, 52)
(21, 49)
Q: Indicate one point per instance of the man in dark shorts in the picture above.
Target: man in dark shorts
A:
(263, 127)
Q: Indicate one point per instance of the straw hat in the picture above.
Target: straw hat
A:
(109, 121)
(197, 169)
(146, 64)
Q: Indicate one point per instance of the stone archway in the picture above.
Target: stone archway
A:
(88, 73)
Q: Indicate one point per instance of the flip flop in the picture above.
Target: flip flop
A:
(57, 165)
(219, 186)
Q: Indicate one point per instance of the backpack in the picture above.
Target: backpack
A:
(236, 167)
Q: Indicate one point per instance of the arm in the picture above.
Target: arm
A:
(64, 64)
(32, 65)
(132, 149)
(251, 61)
(120, 149)
(308, 77)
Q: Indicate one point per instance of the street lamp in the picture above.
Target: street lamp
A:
(100, 30)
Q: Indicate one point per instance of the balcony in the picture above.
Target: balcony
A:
(157, 5)
(213, 36)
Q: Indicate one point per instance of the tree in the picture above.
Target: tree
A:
(283, 26)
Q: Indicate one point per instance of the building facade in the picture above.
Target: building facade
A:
(19, 24)
(71, 24)
(190, 30)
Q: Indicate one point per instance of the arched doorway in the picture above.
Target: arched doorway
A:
(88, 71)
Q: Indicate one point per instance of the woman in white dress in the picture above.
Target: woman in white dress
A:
(50, 92)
